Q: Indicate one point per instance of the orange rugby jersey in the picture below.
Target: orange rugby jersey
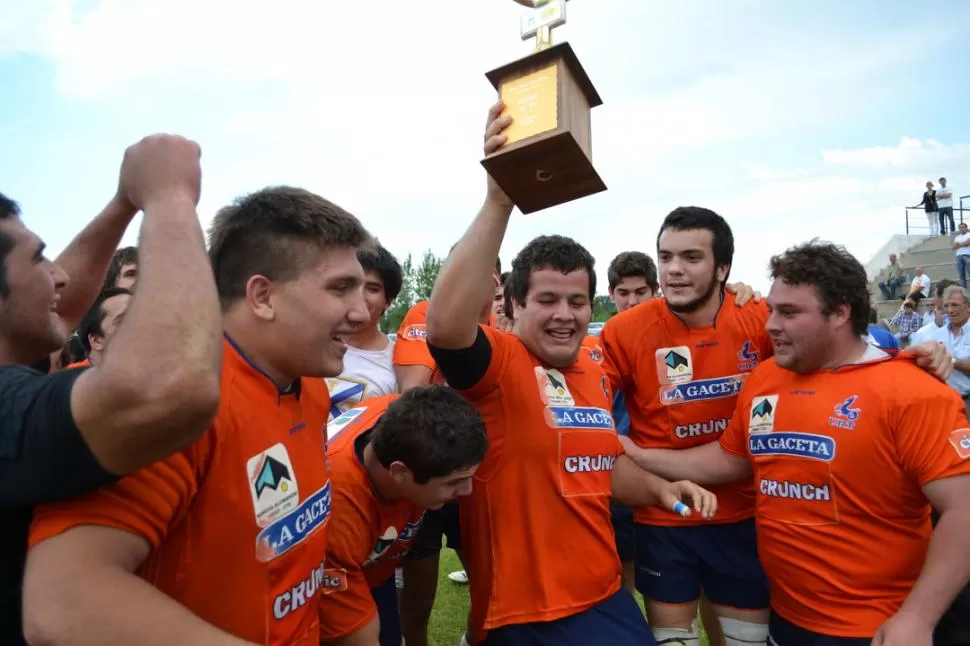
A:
(366, 536)
(591, 347)
(839, 460)
(411, 345)
(681, 385)
(540, 502)
(237, 520)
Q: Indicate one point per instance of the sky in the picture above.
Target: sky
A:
(791, 119)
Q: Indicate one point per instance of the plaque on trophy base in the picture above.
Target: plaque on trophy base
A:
(547, 159)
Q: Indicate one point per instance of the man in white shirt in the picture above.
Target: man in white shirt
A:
(961, 245)
(944, 201)
(368, 369)
(920, 287)
(955, 335)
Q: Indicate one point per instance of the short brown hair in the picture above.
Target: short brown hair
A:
(632, 264)
(266, 233)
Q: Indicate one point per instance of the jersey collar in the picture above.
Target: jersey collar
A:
(293, 389)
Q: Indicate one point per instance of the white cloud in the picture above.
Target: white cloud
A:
(380, 105)
(909, 153)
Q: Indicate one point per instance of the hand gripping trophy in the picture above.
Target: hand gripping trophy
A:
(547, 159)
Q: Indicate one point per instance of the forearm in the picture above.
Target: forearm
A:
(633, 485)
(963, 365)
(464, 282)
(946, 570)
(87, 257)
(114, 607)
(706, 465)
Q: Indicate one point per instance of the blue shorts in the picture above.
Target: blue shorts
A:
(626, 543)
(785, 633)
(616, 620)
(675, 563)
(385, 596)
(437, 524)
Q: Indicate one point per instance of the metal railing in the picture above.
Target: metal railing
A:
(920, 225)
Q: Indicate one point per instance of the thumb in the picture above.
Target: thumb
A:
(879, 638)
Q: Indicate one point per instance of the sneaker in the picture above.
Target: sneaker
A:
(458, 577)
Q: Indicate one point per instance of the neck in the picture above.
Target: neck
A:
(94, 357)
(705, 314)
(379, 476)
(370, 338)
(256, 345)
(12, 353)
(845, 352)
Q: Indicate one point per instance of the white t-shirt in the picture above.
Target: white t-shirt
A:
(924, 284)
(963, 237)
(946, 201)
(367, 373)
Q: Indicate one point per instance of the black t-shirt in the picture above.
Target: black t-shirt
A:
(42, 458)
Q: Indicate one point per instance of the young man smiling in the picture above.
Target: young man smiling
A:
(553, 448)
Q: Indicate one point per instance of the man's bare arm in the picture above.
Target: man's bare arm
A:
(80, 589)
(369, 635)
(86, 259)
(410, 376)
(707, 465)
(465, 280)
(947, 566)
(157, 388)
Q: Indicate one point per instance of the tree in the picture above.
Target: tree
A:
(603, 308)
(416, 287)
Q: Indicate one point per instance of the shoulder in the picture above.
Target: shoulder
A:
(634, 322)
(346, 427)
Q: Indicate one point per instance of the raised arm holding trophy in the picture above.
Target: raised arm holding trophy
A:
(547, 159)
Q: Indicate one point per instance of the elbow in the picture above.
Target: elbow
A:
(46, 612)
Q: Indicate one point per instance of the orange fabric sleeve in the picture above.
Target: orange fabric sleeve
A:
(411, 346)
(616, 361)
(350, 607)
(146, 503)
(932, 433)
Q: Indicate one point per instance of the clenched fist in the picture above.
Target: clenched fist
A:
(158, 167)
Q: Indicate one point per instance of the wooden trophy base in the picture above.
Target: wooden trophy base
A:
(548, 158)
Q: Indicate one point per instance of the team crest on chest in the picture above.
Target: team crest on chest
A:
(846, 414)
(674, 365)
(552, 387)
(761, 418)
(272, 484)
(748, 356)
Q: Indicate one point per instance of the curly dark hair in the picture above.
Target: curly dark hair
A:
(433, 430)
(549, 252)
(631, 264)
(122, 257)
(836, 275)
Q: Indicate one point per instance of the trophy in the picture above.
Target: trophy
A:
(547, 159)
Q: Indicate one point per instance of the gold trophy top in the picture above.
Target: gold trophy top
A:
(543, 34)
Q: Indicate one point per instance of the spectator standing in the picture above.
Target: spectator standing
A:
(961, 245)
(894, 278)
(944, 201)
(931, 208)
(953, 335)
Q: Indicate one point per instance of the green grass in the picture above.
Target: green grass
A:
(451, 606)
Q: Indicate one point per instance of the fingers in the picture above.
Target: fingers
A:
(701, 500)
(494, 139)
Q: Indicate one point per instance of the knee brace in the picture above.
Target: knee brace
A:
(743, 633)
(677, 636)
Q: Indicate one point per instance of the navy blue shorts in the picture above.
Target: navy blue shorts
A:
(616, 620)
(785, 633)
(626, 543)
(675, 563)
(437, 523)
(385, 596)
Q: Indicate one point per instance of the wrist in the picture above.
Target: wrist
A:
(499, 202)
(175, 198)
(917, 613)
